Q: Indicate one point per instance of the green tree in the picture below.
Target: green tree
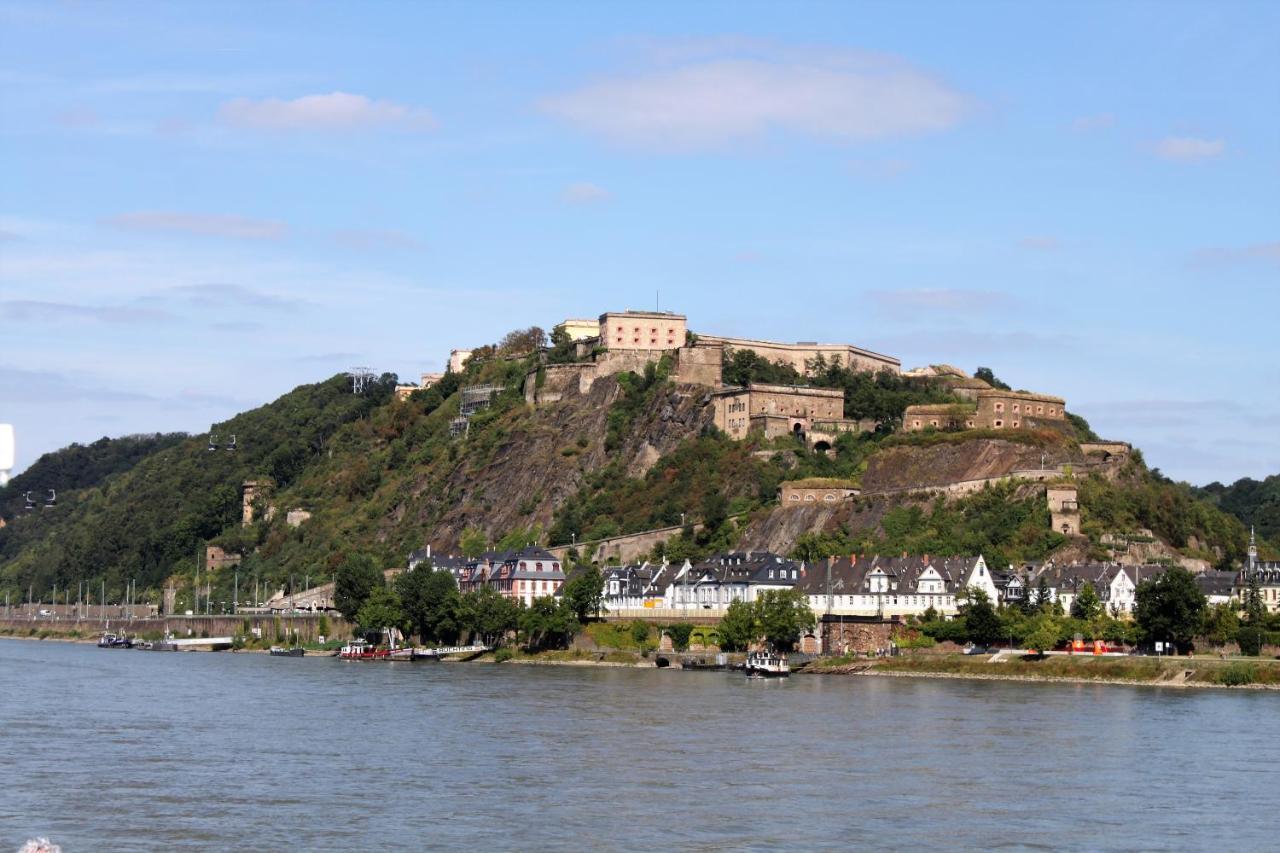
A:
(473, 542)
(640, 632)
(1221, 624)
(782, 615)
(738, 628)
(1170, 608)
(679, 634)
(1255, 612)
(1086, 605)
(488, 615)
(583, 594)
(431, 603)
(357, 577)
(715, 510)
(1044, 635)
(382, 609)
(547, 623)
(981, 622)
(989, 377)
(1250, 638)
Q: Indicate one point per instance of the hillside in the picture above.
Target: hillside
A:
(381, 476)
(80, 466)
(1255, 503)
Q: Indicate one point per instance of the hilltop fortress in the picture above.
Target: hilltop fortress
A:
(621, 341)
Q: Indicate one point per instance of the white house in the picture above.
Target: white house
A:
(894, 586)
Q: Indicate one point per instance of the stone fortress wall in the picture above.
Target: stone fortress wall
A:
(799, 354)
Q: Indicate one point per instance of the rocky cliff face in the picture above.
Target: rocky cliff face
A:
(537, 457)
(778, 530)
(908, 467)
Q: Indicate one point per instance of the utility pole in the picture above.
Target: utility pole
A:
(235, 592)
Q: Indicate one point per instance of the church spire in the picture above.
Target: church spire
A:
(1253, 550)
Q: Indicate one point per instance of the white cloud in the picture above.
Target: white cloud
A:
(1188, 149)
(204, 224)
(584, 193)
(334, 111)
(706, 104)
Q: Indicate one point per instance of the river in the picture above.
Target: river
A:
(126, 750)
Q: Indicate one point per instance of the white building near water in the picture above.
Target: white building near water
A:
(894, 586)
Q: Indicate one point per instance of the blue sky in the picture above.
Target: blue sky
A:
(204, 205)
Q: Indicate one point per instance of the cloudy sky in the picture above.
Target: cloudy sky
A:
(204, 205)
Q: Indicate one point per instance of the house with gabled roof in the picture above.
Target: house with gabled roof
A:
(523, 575)
(718, 581)
(888, 587)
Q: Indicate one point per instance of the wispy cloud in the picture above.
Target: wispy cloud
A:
(336, 111)
(584, 193)
(1101, 121)
(35, 311)
(368, 239)
(203, 224)
(209, 295)
(1188, 149)
(935, 345)
(1215, 256)
(1041, 243)
(77, 118)
(878, 170)
(238, 326)
(328, 358)
(20, 385)
(946, 300)
(841, 98)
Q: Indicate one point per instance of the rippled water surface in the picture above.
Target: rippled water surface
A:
(128, 750)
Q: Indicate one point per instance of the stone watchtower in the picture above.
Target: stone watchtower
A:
(1064, 510)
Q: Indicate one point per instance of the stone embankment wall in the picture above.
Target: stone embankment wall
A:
(306, 625)
(629, 548)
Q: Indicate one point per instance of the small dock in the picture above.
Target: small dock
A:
(192, 643)
(448, 651)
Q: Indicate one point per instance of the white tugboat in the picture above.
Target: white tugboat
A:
(767, 665)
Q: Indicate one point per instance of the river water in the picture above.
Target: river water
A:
(126, 750)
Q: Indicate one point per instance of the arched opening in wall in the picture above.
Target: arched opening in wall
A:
(822, 446)
(798, 429)
(1066, 530)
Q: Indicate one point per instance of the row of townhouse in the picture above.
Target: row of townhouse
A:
(888, 587)
(856, 586)
(708, 587)
(522, 575)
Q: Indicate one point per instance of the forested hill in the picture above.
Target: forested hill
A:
(1256, 503)
(157, 511)
(80, 466)
(381, 477)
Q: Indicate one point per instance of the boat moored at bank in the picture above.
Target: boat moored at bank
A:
(767, 664)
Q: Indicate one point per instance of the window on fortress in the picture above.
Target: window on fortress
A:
(1015, 424)
(999, 424)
